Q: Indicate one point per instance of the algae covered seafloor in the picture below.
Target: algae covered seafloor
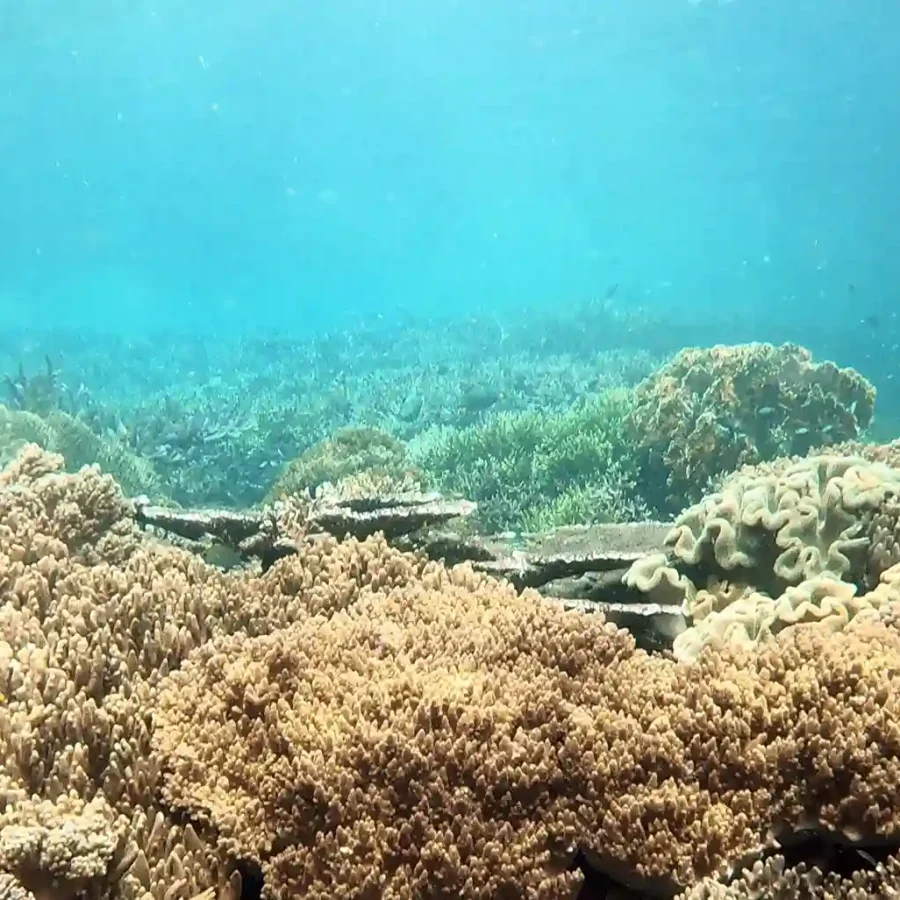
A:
(354, 719)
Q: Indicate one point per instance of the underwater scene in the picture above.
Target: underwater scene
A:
(449, 451)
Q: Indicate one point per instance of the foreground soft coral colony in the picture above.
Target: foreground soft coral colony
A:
(357, 721)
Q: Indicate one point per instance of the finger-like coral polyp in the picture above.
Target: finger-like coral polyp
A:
(359, 722)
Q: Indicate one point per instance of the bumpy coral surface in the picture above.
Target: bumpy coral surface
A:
(353, 455)
(779, 545)
(92, 616)
(453, 739)
(711, 411)
(360, 723)
(775, 879)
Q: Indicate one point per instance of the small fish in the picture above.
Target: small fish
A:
(222, 556)
(410, 408)
(478, 399)
(611, 291)
(871, 321)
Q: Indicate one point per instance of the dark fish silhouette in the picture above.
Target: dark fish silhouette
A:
(870, 321)
(475, 398)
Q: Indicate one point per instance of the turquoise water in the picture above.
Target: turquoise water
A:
(230, 229)
(243, 166)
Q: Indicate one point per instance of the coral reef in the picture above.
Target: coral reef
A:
(360, 460)
(454, 737)
(361, 722)
(534, 471)
(219, 422)
(710, 411)
(781, 544)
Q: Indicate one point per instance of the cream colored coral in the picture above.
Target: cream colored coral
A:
(92, 616)
(778, 546)
(746, 617)
(13, 889)
(810, 518)
(66, 846)
(652, 575)
(470, 737)
(773, 879)
(361, 721)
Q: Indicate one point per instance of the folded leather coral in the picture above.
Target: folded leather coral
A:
(360, 722)
(781, 544)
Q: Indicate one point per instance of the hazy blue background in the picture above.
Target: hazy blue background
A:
(263, 162)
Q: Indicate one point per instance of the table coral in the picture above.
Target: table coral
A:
(711, 411)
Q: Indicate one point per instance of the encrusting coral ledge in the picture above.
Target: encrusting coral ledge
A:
(362, 722)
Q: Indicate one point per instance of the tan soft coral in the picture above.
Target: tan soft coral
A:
(779, 544)
(92, 617)
(710, 411)
(455, 736)
(364, 723)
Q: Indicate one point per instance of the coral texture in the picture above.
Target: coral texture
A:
(359, 722)
(711, 411)
(773, 879)
(92, 616)
(532, 471)
(363, 458)
(452, 738)
(780, 544)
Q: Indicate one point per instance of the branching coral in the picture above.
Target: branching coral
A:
(358, 456)
(534, 471)
(358, 722)
(889, 454)
(92, 616)
(455, 738)
(711, 411)
(775, 879)
(61, 849)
